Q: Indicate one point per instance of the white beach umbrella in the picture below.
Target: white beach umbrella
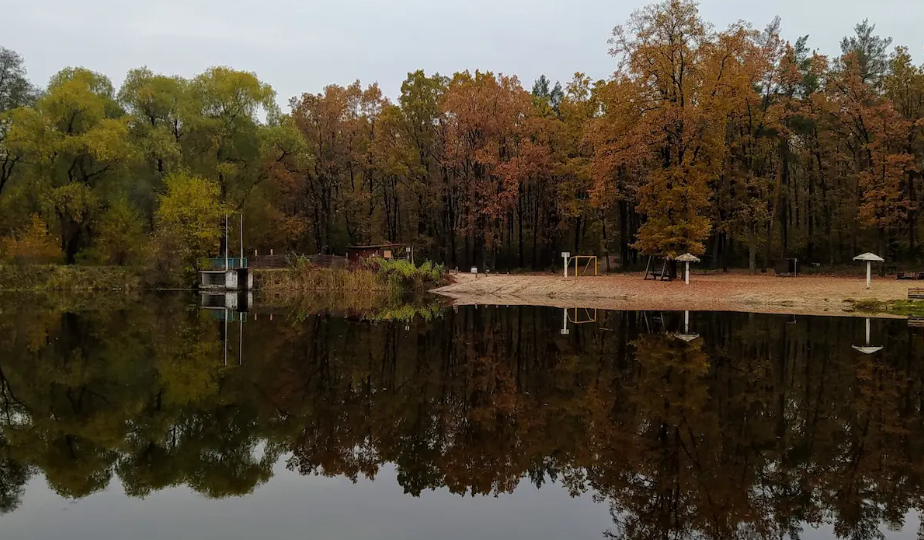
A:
(687, 258)
(870, 258)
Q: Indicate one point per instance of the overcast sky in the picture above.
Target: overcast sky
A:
(301, 46)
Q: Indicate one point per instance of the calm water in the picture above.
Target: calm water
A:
(155, 419)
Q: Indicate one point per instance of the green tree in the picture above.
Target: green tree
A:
(224, 126)
(869, 51)
(75, 139)
(15, 92)
(120, 234)
(159, 107)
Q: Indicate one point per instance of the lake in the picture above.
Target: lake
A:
(154, 418)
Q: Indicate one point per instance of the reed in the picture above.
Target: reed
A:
(374, 276)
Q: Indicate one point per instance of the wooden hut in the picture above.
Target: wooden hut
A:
(356, 254)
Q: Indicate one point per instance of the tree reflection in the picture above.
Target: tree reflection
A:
(757, 429)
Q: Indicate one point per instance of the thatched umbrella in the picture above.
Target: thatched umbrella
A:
(687, 258)
(870, 258)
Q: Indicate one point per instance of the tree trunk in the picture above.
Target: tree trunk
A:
(752, 248)
(624, 234)
(520, 236)
(71, 232)
(577, 235)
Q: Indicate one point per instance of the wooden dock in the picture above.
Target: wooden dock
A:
(916, 294)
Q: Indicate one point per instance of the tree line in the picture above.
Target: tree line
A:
(735, 145)
(758, 429)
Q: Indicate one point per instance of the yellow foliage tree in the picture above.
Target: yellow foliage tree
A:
(188, 222)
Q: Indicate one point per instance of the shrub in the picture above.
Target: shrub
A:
(406, 274)
(33, 246)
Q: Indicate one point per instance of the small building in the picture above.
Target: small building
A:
(234, 279)
(356, 254)
(226, 274)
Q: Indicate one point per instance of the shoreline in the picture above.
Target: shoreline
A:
(734, 291)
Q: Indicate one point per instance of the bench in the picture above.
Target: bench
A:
(916, 294)
(911, 276)
(786, 268)
(916, 322)
(783, 271)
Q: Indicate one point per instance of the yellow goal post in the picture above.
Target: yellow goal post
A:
(583, 265)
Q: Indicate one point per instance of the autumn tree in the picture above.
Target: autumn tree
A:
(677, 82)
(31, 245)
(874, 135)
(488, 152)
(904, 87)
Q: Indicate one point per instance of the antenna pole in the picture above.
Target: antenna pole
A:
(226, 242)
(242, 239)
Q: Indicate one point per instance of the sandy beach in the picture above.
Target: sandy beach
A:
(735, 291)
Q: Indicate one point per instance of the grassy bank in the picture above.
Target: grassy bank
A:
(36, 278)
(907, 308)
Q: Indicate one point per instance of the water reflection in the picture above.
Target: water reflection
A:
(754, 427)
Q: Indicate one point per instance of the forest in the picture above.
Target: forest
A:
(735, 144)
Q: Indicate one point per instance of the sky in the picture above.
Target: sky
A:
(302, 46)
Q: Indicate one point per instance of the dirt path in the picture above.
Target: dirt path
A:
(722, 292)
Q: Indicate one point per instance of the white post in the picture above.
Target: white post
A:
(566, 255)
(869, 273)
(564, 322)
(688, 273)
(867, 331)
(686, 321)
(226, 242)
